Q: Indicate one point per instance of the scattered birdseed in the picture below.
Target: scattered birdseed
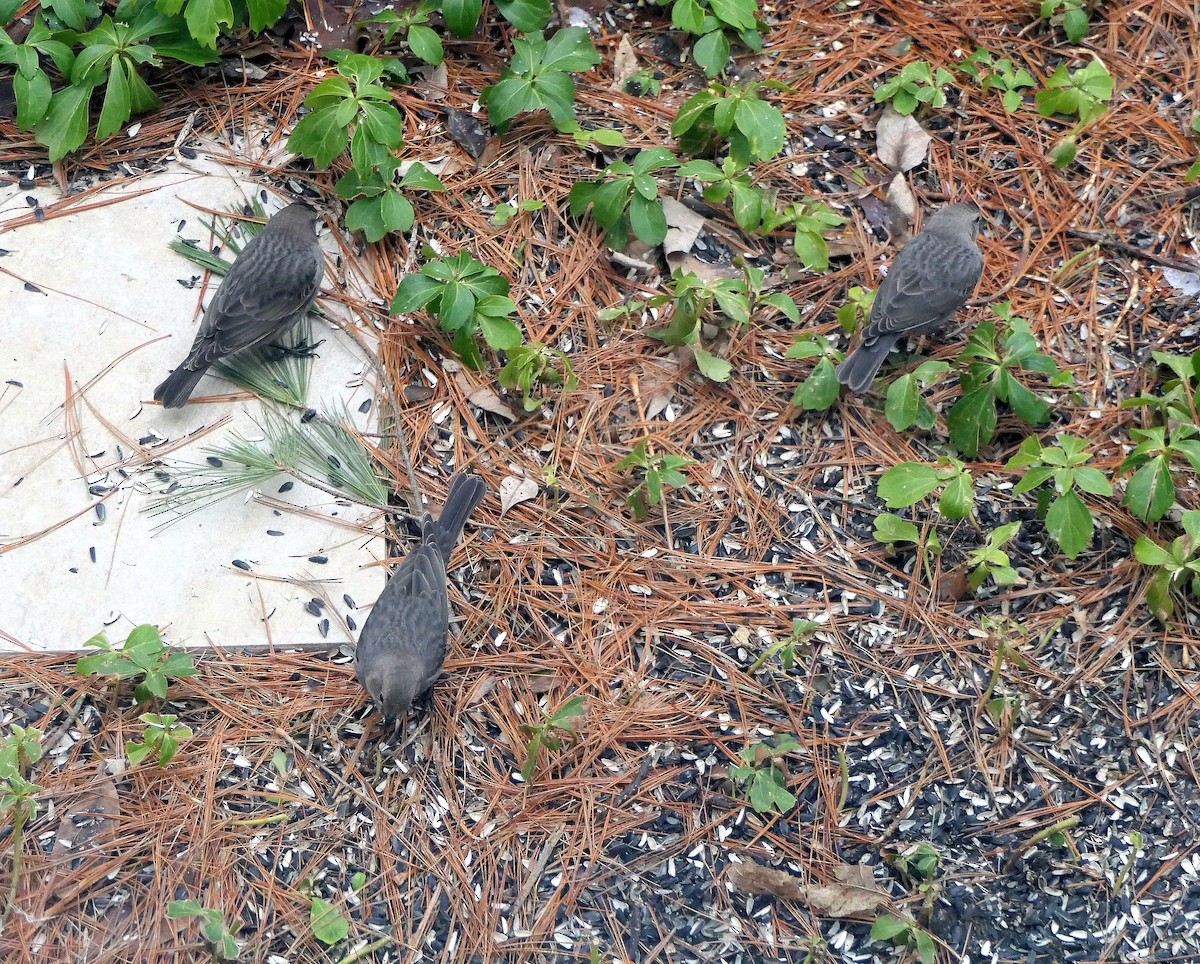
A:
(365, 407)
(274, 532)
(287, 486)
(215, 462)
(348, 600)
(312, 607)
(242, 565)
(323, 628)
(101, 511)
(319, 560)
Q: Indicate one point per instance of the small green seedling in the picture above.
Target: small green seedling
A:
(785, 648)
(19, 751)
(754, 129)
(916, 84)
(143, 654)
(413, 23)
(995, 373)
(538, 76)
(550, 732)
(625, 198)
(1000, 75)
(855, 312)
(909, 482)
(1178, 566)
(906, 934)
(1072, 14)
(763, 776)
(468, 298)
(531, 366)
(820, 389)
(1061, 469)
(990, 559)
(219, 938)
(906, 405)
(162, 738)
(659, 472)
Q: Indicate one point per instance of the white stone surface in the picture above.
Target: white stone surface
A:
(110, 321)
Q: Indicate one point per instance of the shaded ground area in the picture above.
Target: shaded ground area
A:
(624, 842)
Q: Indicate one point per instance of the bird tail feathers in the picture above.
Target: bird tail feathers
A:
(465, 493)
(177, 388)
(859, 369)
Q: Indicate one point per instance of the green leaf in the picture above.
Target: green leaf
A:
(65, 125)
(812, 250)
(415, 292)
(694, 108)
(712, 52)
(647, 219)
(462, 15)
(908, 483)
(972, 421)
(886, 927)
(384, 123)
(903, 402)
(1027, 406)
(71, 12)
(425, 44)
(1092, 481)
(890, 529)
(1151, 491)
(688, 16)
(1034, 477)
(500, 333)
(205, 18)
(1150, 553)
(1070, 523)
(763, 126)
(264, 13)
(33, 95)
(570, 50)
(738, 14)
(711, 366)
(527, 16)
(958, 498)
(115, 110)
(328, 925)
(508, 98)
(1158, 596)
(320, 136)
(820, 389)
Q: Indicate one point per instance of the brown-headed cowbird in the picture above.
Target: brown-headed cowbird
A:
(403, 642)
(931, 278)
(269, 288)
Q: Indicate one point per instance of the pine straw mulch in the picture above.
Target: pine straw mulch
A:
(628, 840)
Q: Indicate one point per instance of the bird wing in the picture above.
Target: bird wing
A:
(265, 292)
(931, 279)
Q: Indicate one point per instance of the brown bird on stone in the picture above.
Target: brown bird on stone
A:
(269, 288)
(931, 278)
(403, 642)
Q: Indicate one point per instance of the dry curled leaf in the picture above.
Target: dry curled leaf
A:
(514, 490)
(900, 141)
(852, 893)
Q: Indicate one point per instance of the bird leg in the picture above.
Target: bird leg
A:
(302, 350)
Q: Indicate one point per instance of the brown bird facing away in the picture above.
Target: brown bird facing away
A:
(269, 288)
(931, 278)
(403, 642)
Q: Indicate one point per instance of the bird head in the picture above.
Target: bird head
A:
(392, 688)
(297, 216)
(956, 218)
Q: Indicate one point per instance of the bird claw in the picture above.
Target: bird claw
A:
(302, 350)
